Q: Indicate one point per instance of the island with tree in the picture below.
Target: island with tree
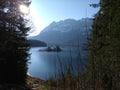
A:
(52, 49)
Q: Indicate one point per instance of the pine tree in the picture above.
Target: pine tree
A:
(14, 46)
(105, 45)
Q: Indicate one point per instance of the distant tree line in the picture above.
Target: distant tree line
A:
(14, 46)
(37, 43)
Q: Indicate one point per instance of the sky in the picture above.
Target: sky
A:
(44, 12)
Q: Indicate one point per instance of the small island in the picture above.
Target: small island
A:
(52, 49)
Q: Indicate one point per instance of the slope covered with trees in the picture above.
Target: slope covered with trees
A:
(37, 43)
(104, 47)
(13, 43)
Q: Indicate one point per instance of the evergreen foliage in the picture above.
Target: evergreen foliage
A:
(14, 46)
(104, 47)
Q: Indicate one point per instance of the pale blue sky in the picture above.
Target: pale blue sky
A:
(48, 11)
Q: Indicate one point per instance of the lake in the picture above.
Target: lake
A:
(47, 64)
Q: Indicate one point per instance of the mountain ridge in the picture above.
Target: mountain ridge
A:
(66, 31)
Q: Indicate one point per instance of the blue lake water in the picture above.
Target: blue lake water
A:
(45, 64)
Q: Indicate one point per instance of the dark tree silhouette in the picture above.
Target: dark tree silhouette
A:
(14, 46)
(104, 48)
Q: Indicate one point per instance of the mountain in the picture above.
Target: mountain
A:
(66, 32)
(37, 43)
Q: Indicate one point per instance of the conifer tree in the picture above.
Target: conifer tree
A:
(104, 48)
(14, 46)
